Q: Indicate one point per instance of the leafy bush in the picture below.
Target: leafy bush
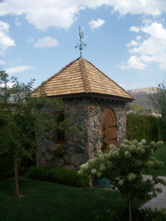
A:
(123, 167)
(146, 126)
(6, 165)
(59, 175)
(25, 163)
(119, 214)
(158, 102)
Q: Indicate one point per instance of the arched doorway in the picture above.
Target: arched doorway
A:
(108, 122)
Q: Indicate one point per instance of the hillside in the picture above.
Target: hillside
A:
(141, 96)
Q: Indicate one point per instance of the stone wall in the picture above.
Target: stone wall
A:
(94, 124)
(87, 112)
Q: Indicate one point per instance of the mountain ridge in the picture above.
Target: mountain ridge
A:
(141, 96)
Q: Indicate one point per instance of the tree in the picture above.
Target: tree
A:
(25, 118)
(158, 100)
(137, 109)
(140, 123)
(124, 167)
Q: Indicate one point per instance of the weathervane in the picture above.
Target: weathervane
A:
(82, 44)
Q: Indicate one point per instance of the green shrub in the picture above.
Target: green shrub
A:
(6, 165)
(25, 163)
(146, 214)
(123, 167)
(144, 126)
(59, 175)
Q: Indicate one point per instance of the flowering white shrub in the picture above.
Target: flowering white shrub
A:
(132, 148)
(131, 158)
(124, 166)
(159, 144)
(115, 154)
(150, 163)
(131, 177)
(127, 154)
(94, 171)
(138, 163)
(121, 182)
(143, 141)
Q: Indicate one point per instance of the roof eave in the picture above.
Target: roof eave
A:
(96, 95)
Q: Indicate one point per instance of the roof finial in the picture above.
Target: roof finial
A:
(82, 44)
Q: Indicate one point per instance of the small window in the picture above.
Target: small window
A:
(60, 134)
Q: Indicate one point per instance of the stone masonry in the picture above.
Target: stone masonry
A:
(79, 149)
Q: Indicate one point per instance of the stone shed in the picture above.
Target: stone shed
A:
(97, 100)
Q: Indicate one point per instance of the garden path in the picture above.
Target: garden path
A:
(158, 202)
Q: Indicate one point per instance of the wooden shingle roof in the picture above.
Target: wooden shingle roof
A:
(82, 78)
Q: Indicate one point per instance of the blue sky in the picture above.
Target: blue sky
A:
(126, 39)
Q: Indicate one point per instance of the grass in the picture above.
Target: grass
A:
(50, 201)
(160, 155)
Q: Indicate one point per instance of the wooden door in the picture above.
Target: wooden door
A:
(108, 121)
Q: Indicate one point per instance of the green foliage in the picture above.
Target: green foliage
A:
(158, 100)
(24, 118)
(55, 202)
(159, 154)
(143, 126)
(6, 165)
(104, 142)
(123, 167)
(122, 213)
(59, 175)
(137, 109)
(25, 163)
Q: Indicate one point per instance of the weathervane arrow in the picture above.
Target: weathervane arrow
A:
(81, 45)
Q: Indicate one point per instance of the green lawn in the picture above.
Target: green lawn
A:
(49, 201)
(160, 154)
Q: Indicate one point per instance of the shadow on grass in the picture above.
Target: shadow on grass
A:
(50, 201)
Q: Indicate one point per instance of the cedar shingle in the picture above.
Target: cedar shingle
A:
(80, 76)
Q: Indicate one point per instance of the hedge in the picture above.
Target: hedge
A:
(59, 175)
(6, 165)
(144, 127)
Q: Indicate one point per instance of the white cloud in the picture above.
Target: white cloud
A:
(46, 42)
(146, 21)
(58, 13)
(17, 69)
(134, 62)
(155, 30)
(122, 85)
(132, 43)
(30, 40)
(17, 22)
(146, 7)
(96, 24)
(135, 29)
(5, 40)
(9, 84)
(139, 37)
(2, 62)
(148, 59)
(43, 14)
(152, 49)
